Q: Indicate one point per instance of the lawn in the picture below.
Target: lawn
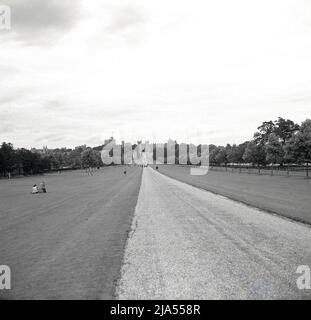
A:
(287, 196)
(69, 242)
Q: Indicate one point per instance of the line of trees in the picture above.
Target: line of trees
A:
(26, 162)
(275, 142)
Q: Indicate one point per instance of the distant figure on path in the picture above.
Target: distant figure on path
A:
(35, 189)
(124, 171)
(42, 188)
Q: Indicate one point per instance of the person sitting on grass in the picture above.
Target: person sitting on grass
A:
(35, 189)
(42, 188)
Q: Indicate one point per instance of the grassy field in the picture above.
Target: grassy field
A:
(287, 196)
(69, 242)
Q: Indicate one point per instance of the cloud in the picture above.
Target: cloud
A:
(152, 68)
(12, 95)
(6, 127)
(7, 69)
(54, 105)
(125, 18)
(37, 21)
(123, 21)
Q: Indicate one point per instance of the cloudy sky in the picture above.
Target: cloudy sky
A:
(75, 72)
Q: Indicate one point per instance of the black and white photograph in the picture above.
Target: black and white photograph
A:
(155, 150)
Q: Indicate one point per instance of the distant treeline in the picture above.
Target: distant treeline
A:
(23, 161)
(276, 142)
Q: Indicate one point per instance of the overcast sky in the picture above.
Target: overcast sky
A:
(75, 72)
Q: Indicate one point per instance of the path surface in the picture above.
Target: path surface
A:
(68, 243)
(187, 243)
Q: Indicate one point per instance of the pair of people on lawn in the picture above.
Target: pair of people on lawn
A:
(40, 189)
